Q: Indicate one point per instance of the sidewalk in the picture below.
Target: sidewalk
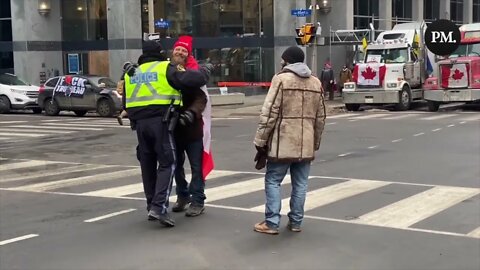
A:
(253, 105)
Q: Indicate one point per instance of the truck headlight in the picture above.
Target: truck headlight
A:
(392, 85)
(348, 87)
(17, 91)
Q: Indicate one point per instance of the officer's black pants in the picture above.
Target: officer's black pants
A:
(156, 153)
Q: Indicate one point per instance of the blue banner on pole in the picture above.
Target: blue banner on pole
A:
(162, 23)
(301, 12)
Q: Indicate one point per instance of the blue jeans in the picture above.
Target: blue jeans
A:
(196, 189)
(276, 171)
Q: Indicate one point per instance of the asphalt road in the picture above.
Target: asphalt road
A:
(389, 190)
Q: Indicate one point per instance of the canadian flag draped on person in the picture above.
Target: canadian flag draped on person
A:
(207, 162)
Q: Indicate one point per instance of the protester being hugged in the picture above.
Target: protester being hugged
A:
(192, 137)
(288, 134)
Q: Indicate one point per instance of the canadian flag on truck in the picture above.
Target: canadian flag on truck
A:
(370, 74)
(455, 76)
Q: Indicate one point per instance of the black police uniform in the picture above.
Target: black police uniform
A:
(156, 146)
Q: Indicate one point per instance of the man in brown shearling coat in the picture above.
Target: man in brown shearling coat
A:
(289, 133)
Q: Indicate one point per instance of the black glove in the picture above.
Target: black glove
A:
(209, 68)
(261, 157)
(186, 118)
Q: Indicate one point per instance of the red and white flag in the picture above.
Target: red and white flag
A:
(207, 162)
(368, 74)
(455, 76)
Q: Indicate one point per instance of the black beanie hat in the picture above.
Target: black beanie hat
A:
(151, 46)
(293, 55)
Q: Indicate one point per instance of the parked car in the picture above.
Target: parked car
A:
(80, 94)
(17, 94)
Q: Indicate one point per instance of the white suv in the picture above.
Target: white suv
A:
(17, 94)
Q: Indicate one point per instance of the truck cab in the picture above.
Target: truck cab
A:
(393, 70)
(458, 77)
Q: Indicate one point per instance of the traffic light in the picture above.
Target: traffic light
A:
(305, 34)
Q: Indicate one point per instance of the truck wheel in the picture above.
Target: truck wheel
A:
(80, 112)
(4, 104)
(353, 107)
(405, 99)
(433, 106)
(51, 107)
(37, 110)
(105, 107)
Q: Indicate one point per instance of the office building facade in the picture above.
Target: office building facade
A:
(243, 39)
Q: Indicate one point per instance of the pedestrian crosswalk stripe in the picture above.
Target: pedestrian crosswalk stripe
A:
(471, 118)
(21, 134)
(25, 164)
(237, 189)
(46, 186)
(50, 172)
(475, 233)
(127, 190)
(411, 210)
(49, 126)
(94, 124)
(35, 130)
(117, 191)
(12, 122)
(376, 115)
(436, 117)
(323, 196)
(342, 115)
(403, 214)
(400, 116)
(75, 125)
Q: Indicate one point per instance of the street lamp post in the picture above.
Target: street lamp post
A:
(314, 50)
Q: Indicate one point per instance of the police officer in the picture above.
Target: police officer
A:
(152, 95)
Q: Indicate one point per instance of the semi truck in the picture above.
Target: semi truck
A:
(393, 71)
(458, 77)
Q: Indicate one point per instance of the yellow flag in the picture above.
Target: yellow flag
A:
(364, 43)
(416, 40)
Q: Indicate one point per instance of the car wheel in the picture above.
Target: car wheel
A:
(105, 107)
(4, 104)
(80, 112)
(405, 99)
(51, 107)
(353, 107)
(433, 106)
(37, 110)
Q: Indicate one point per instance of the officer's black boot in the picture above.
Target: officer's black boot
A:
(164, 219)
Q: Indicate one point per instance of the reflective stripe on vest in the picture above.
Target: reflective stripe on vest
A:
(149, 86)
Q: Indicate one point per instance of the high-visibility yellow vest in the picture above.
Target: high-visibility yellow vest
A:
(149, 86)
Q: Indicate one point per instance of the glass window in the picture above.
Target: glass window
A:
(84, 20)
(6, 61)
(5, 9)
(456, 11)
(10, 79)
(399, 55)
(103, 80)
(476, 10)
(431, 10)
(52, 82)
(5, 30)
(402, 10)
(220, 18)
(363, 11)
